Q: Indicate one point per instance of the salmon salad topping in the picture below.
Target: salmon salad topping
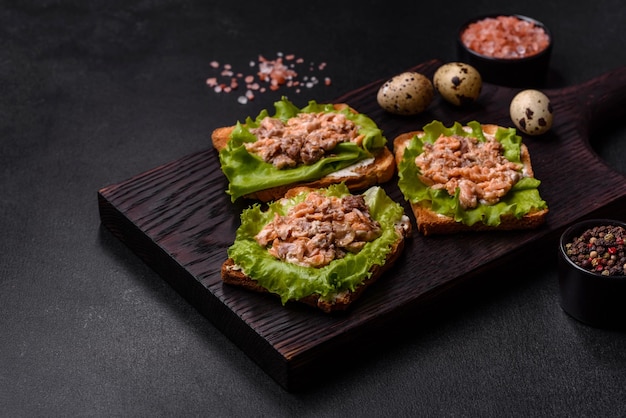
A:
(303, 139)
(478, 169)
(319, 230)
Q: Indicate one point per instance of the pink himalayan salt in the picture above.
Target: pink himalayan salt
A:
(276, 73)
(506, 37)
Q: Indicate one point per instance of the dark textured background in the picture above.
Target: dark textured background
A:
(92, 93)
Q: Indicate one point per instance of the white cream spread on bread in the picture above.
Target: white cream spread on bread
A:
(351, 171)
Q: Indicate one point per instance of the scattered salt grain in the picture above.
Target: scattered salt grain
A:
(271, 75)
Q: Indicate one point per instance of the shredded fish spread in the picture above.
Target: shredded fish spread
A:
(478, 169)
(319, 230)
(304, 139)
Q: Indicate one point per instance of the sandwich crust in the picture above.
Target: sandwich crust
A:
(430, 222)
(379, 171)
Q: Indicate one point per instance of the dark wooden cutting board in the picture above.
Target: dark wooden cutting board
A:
(179, 220)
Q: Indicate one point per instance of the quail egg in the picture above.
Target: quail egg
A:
(458, 83)
(531, 112)
(408, 93)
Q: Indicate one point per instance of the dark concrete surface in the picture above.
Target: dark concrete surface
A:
(92, 93)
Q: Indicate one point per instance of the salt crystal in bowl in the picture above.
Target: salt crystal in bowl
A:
(509, 50)
(590, 291)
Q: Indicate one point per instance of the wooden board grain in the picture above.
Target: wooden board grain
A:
(179, 220)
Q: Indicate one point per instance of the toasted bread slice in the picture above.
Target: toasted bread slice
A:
(430, 222)
(233, 275)
(357, 177)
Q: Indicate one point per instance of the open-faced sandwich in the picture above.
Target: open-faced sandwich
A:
(318, 145)
(322, 247)
(468, 178)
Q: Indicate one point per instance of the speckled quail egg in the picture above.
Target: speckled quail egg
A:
(531, 112)
(408, 93)
(458, 83)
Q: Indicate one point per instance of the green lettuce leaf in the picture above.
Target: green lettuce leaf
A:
(521, 199)
(291, 281)
(247, 173)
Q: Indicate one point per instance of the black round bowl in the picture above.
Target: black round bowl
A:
(587, 296)
(526, 72)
